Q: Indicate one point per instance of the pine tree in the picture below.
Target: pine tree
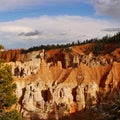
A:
(7, 96)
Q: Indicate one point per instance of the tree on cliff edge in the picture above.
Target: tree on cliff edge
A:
(1, 47)
(7, 96)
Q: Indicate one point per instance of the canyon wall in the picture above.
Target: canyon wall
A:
(53, 85)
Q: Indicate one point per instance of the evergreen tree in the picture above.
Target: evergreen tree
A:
(7, 96)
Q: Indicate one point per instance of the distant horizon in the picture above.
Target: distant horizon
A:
(27, 23)
(60, 44)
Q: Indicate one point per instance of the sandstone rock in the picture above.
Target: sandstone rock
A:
(113, 79)
(55, 83)
(52, 90)
(33, 100)
(80, 98)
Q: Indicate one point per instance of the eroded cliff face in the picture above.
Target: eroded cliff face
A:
(52, 86)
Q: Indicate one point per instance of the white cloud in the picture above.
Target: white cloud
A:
(14, 28)
(107, 7)
(51, 29)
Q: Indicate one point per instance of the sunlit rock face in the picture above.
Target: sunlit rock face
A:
(22, 69)
(65, 93)
(53, 84)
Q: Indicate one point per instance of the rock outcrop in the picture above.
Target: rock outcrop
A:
(51, 86)
(73, 89)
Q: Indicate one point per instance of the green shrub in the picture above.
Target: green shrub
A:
(13, 115)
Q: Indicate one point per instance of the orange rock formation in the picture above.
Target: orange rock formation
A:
(63, 81)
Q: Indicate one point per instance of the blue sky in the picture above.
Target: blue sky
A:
(26, 23)
(57, 9)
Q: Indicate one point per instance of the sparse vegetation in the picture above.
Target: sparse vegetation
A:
(98, 48)
(1, 47)
(99, 44)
